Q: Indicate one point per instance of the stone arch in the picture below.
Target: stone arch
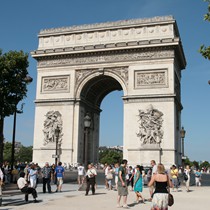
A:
(91, 91)
(142, 57)
(111, 80)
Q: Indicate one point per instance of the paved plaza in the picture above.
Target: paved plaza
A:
(71, 198)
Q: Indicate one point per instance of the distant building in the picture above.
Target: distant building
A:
(18, 145)
(114, 148)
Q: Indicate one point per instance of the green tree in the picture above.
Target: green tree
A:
(205, 51)
(22, 154)
(196, 164)
(7, 151)
(13, 86)
(110, 157)
(204, 164)
(188, 162)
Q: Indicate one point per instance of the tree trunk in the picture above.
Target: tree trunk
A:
(1, 139)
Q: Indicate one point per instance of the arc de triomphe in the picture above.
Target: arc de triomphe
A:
(78, 66)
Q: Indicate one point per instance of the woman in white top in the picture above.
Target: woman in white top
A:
(187, 172)
(1, 183)
(33, 173)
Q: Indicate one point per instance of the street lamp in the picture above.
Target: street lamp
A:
(182, 134)
(87, 124)
(57, 132)
(27, 80)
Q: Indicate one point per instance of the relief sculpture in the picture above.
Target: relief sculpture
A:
(150, 79)
(150, 126)
(55, 84)
(53, 120)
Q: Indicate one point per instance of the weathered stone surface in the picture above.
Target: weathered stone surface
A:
(79, 65)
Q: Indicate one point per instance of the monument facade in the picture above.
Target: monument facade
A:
(78, 66)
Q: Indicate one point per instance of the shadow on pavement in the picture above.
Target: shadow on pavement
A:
(18, 202)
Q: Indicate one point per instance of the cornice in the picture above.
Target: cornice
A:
(149, 98)
(105, 25)
(56, 101)
(150, 149)
(153, 98)
(131, 45)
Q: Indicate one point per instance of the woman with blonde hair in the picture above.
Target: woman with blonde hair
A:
(162, 185)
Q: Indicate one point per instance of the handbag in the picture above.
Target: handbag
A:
(87, 178)
(170, 199)
(109, 176)
(185, 176)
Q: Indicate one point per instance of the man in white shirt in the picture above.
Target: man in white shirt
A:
(81, 173)
(154, 171)
(23, 186)
(1, 183)
(90, 177)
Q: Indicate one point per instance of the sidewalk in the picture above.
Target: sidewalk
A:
(71, 198)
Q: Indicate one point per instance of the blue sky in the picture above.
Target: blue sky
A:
(21, 22)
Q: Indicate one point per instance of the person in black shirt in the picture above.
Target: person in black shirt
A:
(162, 188)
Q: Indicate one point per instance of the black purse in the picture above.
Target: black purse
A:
(185, 176)
(87, 178)
(170, 199)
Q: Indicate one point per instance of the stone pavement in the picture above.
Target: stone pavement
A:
(71, 198)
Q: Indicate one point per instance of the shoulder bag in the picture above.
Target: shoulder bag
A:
(170, 199)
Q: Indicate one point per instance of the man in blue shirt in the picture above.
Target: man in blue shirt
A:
(59, 174)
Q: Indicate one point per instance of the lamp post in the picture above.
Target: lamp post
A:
(57, 132)
(27, 80)
(182, 134)
(87, 124)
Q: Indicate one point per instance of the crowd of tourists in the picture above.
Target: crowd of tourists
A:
(122, 178)
(118, 177)
(27, 178)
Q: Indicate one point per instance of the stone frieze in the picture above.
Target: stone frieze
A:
(55, 84)
(145, 79)
(104, 58)
(107, 33)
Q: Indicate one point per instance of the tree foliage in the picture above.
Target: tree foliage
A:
(196, 164)
(110, 156)
(7, 151)
(22, 154)
(13, 86)
(205, 51)
(204, 164)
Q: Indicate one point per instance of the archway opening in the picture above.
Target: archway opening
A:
(97, 88)
(101, 97)
(111, 120)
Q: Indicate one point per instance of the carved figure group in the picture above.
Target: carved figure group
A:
(150, 125)
(53, 120)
